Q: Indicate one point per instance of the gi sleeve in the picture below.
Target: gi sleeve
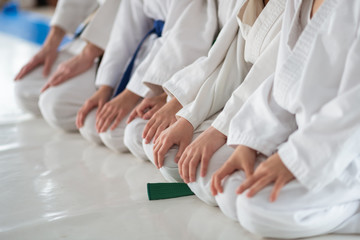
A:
(320, 151)
(70, 13)
(261, 123)
(185, 84)
(218, 87)
(130, 26)
(183, 40)
(263, 68)
(99, 29)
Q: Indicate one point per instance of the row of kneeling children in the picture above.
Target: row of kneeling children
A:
(252, 103)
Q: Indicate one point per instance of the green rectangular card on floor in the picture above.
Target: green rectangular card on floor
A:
(158, 191)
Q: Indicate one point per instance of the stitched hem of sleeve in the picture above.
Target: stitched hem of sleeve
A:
(221, 125)
(65, 27)
(174, 91)
(253, 142)
(298, 168)
(188, 116)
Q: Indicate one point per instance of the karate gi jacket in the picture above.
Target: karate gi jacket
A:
(70, 13)
(250, 59)
(185, 84)
(189, 30)
(308, 110)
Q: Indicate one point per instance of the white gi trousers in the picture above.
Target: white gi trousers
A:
(297, 212)
(60, 104)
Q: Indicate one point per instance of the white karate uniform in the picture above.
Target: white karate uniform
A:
(181, 43)
(185, 83)
(249, 61)
(306, 112)
(59, 105)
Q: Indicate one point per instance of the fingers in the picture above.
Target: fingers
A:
(47, 66)
(120, 116)
(193, 165)
(184, 165)
(139, 111)
(218, 176)
(132, 116)
(151, 132)
(156, 149)
(160, 153)
(143, 106)
(182, 147)
(104, 120)
(258, 185)
(159, 130)
(183, 159)
(247, 184)
(148, 127)
(204, 165)
(279, 184)
(27, 68)
(248, 168)
(83, 112)
(46, 86)
(100, 107)
(150, 113)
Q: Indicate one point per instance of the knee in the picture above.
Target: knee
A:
(261, 217)
(130, 140)
(27, 100)
(133, 138)
(114, 140)
(171, 174)
(202, 191)
(275, 220)
(170, 170)
(55, 111)
(88, 131)
(201, 187)
(227, 200)
(148, 150)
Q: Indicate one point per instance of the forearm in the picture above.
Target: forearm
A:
(91, 51)
(54, 37)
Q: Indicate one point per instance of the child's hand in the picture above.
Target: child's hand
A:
(97, 100)
(161, 120)
(180, 134)
(269, 171)
(243, 158)
(200, 151)
(74, 66)
(148, 107)
(115, 110)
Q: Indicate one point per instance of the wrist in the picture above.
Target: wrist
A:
(216, 133)
(246, 150)
(129, 96)
(105, 89)
(91, 51)
(174, 105)
(54, 37)
(185, 123)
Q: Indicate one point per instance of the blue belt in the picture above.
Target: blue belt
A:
(157, 29)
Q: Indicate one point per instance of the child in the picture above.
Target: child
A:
(297, 136)
(182, 41)
(244, 68)
(58, 94)
(185, 83)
